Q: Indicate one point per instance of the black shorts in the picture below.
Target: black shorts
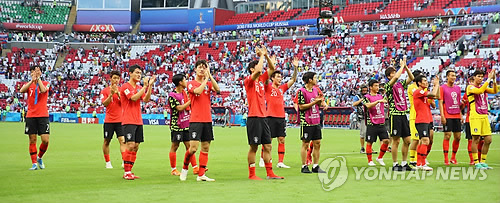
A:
(400, 126)
(468, 134)
(201, 132)
(133, 133)
(423, 129)
(453, 125)
(111, 128)
(308, 133)
(179, 136)
(38, 125)
(374, 131)
(258, 131)
(277, 126)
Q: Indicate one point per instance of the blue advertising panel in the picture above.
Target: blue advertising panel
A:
(164, 16)
(69, 120)
(153, 121)
(201, 20)
(266, 25)
(103, 17)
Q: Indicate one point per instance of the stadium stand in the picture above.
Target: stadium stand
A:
(15, 11)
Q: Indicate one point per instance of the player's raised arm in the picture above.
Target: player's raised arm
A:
(215, 86)
(259, 66)
(139, 94)
(493, 76)
(295, 64)
(396, 75)
(271, 61)
(151, 82)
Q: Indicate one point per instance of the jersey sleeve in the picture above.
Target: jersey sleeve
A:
(127, 90)
(104, 95)
(475, 90)
(284, 87)
(441, 94)
(301, 98)
(47, 85)
(420, 93)
(173, 103)
(247, 82)
(264, 76)
(191, 87)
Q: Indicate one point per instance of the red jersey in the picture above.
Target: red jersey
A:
(201, 108)
(131, 110)
(40, 108)
(256, 95)
(422, 106)
(114, 108)
(274, 98)
(465, 99)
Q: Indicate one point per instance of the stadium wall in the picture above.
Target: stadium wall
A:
(221, 15)
(105, 20)
(177, 20)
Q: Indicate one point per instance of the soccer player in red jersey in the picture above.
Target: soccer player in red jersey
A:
(110, 97)
(37, 119)
(276, 109)
(258, 131)
(200, 123)
(451, 115)
(423, 121)
(178, 102)
(132, 124)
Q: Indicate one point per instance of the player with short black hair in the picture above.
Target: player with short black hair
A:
(423, 121)
(132, 117)
(200, 123)
(309, 99)
(258, 131)
(375, 122)
(451, 115)
(37, 118)
(110, 98)
(178, 102)
(477, 95)
(398, 108)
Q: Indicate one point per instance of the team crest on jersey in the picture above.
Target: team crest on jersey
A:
(127, 91)
(193, 135)
(129, 136)
(475, 130)
(255, 139)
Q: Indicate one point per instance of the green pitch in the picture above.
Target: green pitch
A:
(75, 171)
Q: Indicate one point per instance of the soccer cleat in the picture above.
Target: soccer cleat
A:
(447, 163)
(389, 149)
(407, 167)
(108, 164)
(254, 178)
(175, 172)
(183, 175)
(195, 170)
(454, 161)
(413, 164)
(274, 176)
(135, 177)
(371, 163)
(128, 176)
(305, 169)
(123, 165)
(204, 178)
(317, 169)
(381, 162)
(397, 167)
(34, 167)
(485, 166)
(479, 166)
(362, 151)
(40, 163)
(427, 162)
(426, 168)
(282, 165)
(261, 162)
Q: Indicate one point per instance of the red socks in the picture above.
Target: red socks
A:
(469, 148)
(479, 148)
(106, 157)
(173, 159)
(187, 158)
(428, 149)
(32, 150)
(43, 149)
(369, 152)
(193, 160)
(269, 169)
(383, 149)
(281, 152)
(251, 171)
(123, 155)
(446, 148)
(309, 157)
(127, 164)
(456, 144)
(203, 163)
(421, 154)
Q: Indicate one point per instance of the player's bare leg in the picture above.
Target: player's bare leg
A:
(484, 151)
(123, 147)
(105, 151)
(43, 148)
(315, 155)
(303, 156)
